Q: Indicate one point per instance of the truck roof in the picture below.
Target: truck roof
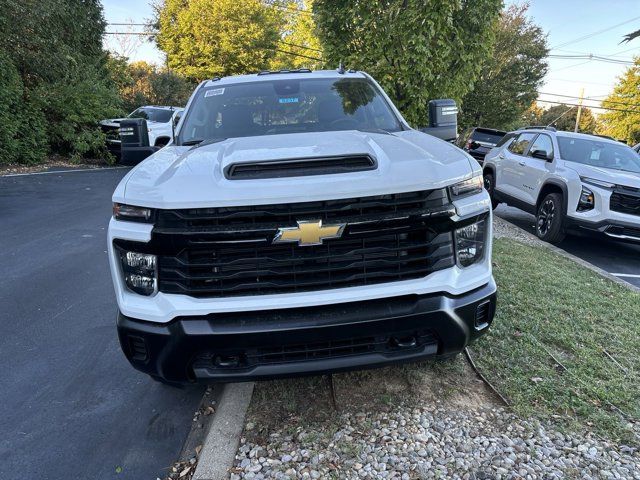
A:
(283, 75)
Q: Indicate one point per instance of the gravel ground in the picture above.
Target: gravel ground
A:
(504, 229)
(54, 162)
(436, 442)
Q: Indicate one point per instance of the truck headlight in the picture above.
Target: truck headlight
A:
(598, 183)
(587, 200)
(467, 187)
(140, 271)
(131, 213)
(470, 241)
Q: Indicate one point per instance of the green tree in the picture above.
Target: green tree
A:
(531, 116)
(300, 46)
(510, 75)
(55, 48)
(417, 49)
(204, 39)
(141, 83)
(567, 120)
(624, 122)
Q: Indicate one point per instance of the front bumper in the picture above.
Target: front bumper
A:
(243, 346)
(617, 230)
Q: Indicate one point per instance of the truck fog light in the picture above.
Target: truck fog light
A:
(587, 201)
(470, 242)
(141, 261)
(140, 271)
(140, 283)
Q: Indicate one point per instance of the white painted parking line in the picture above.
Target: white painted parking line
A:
(63, 171)
(627, 275)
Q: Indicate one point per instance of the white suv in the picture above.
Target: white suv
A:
(297, 224)
(572, 182)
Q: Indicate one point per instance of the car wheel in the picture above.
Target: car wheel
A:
(489, 184)
(550, 219)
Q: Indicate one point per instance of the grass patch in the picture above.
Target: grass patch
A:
(564, 343)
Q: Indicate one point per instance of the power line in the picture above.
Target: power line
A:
(615, 54)
(130, 33)
(571, 66)
(596, 108)
(130, 24)
(591, 99)
(593, 34)
(291, 9)
(300, 46)
(594, 57)
(279, 41)
(295, 54)
(581, 81)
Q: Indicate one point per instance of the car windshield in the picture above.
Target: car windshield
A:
(161, 115)
(487, 136)
(287, 106)
(599, 154)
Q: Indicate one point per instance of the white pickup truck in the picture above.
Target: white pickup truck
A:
(159, 121)
(298, 225)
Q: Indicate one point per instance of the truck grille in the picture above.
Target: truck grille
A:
(228, 251)
(625, 200)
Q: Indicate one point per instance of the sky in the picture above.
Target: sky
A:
(565, 21)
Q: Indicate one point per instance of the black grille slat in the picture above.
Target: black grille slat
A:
(269, 215)
(228, 251)
(628, 203)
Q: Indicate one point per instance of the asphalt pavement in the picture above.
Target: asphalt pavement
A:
(71, 407)
(620, 259)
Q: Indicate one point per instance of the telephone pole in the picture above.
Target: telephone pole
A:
(579, 109)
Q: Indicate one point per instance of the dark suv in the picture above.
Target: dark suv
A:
(477, 141)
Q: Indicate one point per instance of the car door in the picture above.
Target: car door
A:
(537, 166)
(509, 171)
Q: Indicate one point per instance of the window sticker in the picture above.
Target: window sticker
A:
(289, 100)
(215, 91)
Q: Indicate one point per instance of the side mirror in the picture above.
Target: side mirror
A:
(174, 124)
(542, 155)
(443, 119)
(176, 119)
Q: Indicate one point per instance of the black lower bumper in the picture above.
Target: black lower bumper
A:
(266, 344)
(623, 231)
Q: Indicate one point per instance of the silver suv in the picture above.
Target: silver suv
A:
(571, 182)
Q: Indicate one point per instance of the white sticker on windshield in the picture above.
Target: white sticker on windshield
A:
(215, 91)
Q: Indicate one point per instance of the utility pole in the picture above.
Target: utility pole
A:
(579, 109)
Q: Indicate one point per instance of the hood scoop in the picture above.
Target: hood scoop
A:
(300, 167)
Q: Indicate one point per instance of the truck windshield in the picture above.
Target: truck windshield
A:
(599, 154)
(161, 115)
(286, 106)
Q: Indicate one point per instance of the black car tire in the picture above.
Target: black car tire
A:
(550, 219)
(489, 184)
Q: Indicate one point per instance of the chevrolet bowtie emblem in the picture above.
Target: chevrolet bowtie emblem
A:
(309, 233)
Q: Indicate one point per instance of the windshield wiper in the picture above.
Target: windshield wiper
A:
(201, 143)
(190, 143)
(374, 130)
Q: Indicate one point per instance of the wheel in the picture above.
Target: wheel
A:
(489, 184)
(550, 219)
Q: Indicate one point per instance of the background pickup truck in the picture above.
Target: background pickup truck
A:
(159, 126)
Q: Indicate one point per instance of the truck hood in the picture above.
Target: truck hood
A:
(618, 177)
(187, 177)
